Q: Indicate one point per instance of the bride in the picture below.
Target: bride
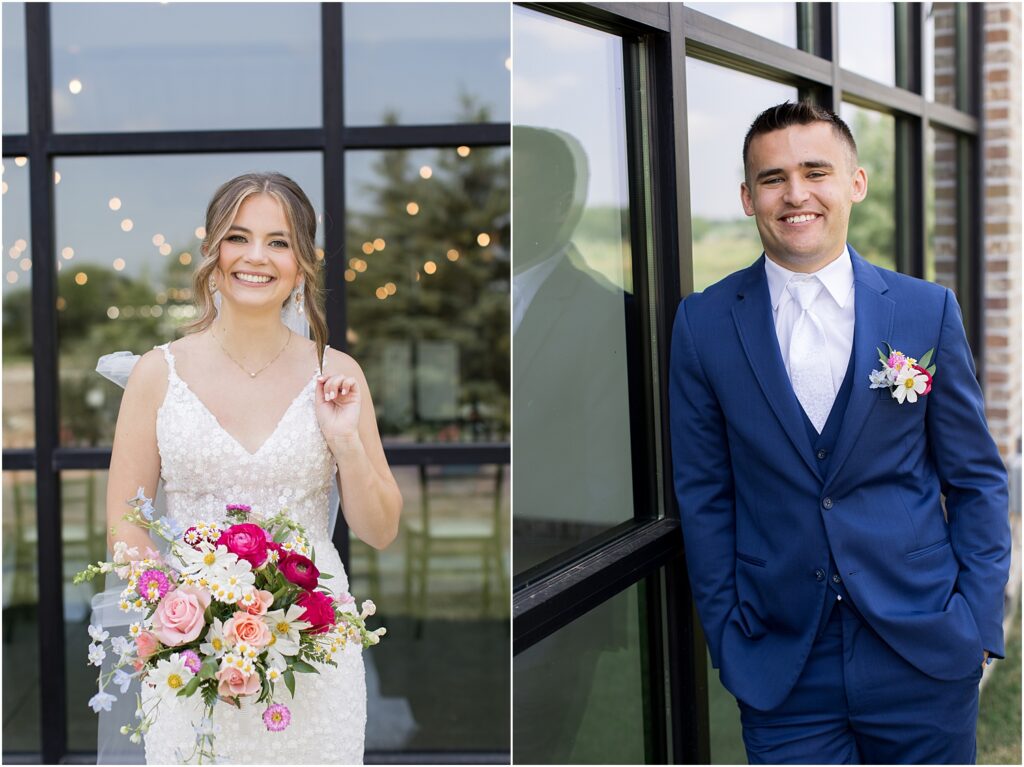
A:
(244, 410)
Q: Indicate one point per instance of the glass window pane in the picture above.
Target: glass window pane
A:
(941, 208)
(15, 98)
(725, 729)
(776, 21)
(872, 223)
(724, 239)
(867, 33)
(21, 702)
(128, 232)
(413, 63)
(185, 66)
(940, 52)
(427, 289)
(18, 416)
(84, 522)
(572, 287)
(442, 592)
(581, 693)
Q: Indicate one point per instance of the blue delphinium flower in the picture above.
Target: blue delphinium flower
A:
(101, 700)
(122, 680)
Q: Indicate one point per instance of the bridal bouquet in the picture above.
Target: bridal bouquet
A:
(229, 614)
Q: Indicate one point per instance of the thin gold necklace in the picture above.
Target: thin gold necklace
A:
(252, 375)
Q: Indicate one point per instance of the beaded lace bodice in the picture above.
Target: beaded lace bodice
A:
(203, 467)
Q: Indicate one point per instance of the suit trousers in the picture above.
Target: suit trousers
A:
(858, 702)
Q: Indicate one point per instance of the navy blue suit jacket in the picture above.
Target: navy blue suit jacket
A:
(759, 518)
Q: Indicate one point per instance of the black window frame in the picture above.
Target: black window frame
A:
(647, 548)
(48, 458)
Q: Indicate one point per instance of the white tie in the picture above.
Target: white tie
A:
(809, 368)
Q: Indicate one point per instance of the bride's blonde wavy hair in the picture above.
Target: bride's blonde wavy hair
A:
(301, 219)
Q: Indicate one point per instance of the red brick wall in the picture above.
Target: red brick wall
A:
(1002, 210)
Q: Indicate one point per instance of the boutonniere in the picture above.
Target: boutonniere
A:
(904, 376)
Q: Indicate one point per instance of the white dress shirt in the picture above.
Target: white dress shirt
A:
(526, 284)
(833, 306)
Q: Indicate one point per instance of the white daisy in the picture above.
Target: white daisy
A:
(284, 628)
(169, 676)
(206, 561)
(215, 643)
(909, 384)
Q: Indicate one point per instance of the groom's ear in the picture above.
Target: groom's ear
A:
(746, 199)
(859, 185)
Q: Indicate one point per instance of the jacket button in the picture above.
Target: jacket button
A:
(827, 503)
(821, 455)
(819, 574)
(836, 579)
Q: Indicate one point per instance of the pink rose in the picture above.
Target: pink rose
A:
(179, 616)
(319, 611)
(264, 599)
(243, 627)
(300, 571)
(247, 541)
(145, 645)
(232, 681)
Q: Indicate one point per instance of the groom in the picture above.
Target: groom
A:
(849, 608)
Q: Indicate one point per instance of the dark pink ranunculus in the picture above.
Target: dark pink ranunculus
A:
(922, 371)
(247, 541)
(299, 570)
(319, 611)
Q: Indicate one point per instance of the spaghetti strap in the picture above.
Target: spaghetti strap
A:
(324, 360)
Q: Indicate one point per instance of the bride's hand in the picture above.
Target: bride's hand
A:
(338, 401)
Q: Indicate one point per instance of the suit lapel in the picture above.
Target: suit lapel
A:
(873, 312)
(752, 314)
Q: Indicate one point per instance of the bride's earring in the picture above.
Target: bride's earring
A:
(213, 285)
(298, 299)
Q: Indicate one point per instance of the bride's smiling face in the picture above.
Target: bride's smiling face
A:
(257, 266)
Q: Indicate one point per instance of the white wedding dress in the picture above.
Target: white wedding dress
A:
(203, 468)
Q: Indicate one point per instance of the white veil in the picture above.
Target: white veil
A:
(111, 746)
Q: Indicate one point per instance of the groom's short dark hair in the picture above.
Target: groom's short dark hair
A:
(787, 114)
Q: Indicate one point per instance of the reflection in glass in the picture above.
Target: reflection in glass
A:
(724, 239)
(867, 33)
(581, 692)
(127, 242)
(440, 680)
(413, 63)
(83, 530)
(872, 223)
(427, 270)
(185, 66)
(572, 287)
(15, 84)
(724, 726)
(940, 264)
(18, 415)
(21, 703)
(940, 52)
(776, 21)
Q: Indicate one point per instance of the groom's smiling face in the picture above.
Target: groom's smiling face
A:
(801, 183)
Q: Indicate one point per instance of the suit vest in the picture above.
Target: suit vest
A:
(823, 445)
